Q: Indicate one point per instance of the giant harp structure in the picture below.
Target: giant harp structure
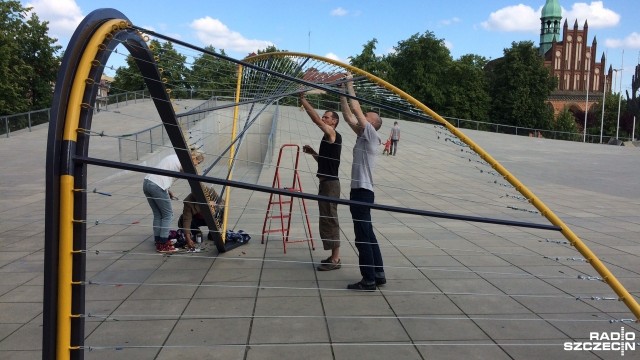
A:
(256, 84)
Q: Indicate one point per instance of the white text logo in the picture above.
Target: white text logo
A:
(606, 341)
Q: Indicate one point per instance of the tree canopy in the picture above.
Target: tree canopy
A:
(610, 121)
(209, 73)
(419, 67)
(28, 60)
(466, 89)
(520, 85)
(566, 125)
(370, 62)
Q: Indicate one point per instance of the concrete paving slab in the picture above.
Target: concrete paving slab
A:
(455, 288)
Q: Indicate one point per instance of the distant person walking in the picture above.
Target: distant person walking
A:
(328, 158)
(395, 137)
(364, 160)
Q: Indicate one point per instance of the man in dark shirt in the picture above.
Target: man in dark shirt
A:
(328, 159)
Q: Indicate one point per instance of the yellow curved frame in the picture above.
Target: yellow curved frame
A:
(72, 120)
(574, 240)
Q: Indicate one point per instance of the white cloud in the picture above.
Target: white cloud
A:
(525, 19)
(63, 16)
(332, 56)
(448, 44)
(595, 13)
(213, 32)
(632, 41)
(447, 22)
(514, 18)
(339, 12)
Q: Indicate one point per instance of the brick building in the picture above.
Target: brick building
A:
(572, 61)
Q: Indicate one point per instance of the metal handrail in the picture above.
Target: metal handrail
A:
(103, 103)
(192, 116)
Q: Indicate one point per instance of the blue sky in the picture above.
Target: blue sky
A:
(339, 28)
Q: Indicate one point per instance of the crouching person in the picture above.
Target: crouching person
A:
(192, 219)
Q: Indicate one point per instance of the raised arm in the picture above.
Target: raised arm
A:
(348, 115)
(355, 110)
(328, 130)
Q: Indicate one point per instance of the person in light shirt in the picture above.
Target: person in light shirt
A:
(157, 190)
(365, 151)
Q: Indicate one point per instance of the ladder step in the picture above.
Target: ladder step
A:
(278, 217)
(274, 230)
(291, 189)
(281, 202)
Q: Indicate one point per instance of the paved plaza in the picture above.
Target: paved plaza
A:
(473, 293)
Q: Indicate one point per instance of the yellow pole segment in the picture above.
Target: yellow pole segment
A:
(236, 109)
(65, 263)
(573, 239)
(65, 242)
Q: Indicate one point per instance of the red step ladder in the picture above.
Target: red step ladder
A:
(282, 202)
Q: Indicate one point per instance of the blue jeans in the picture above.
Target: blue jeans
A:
(369, 258)
(161, 207)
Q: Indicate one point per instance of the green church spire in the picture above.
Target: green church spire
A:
(549, 24)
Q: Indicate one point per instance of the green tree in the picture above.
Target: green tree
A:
(419, 67)
(39, 53)
(370, 62)
(466, 91)
(566, 126)
(269, 49)
(211, 75)
(611, 117)
(520, 85)
(171, 65)
(13, 69)
(127, 78)
(28, 64)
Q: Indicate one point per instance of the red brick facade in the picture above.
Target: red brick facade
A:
(574, 64)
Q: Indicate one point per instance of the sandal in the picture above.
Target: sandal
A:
(328, 266)
(326, 261)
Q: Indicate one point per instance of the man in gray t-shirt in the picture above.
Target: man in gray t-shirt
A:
(364, 160)
(394, 137)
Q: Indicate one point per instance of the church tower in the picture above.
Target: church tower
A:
(571, 60)
(550, 25)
